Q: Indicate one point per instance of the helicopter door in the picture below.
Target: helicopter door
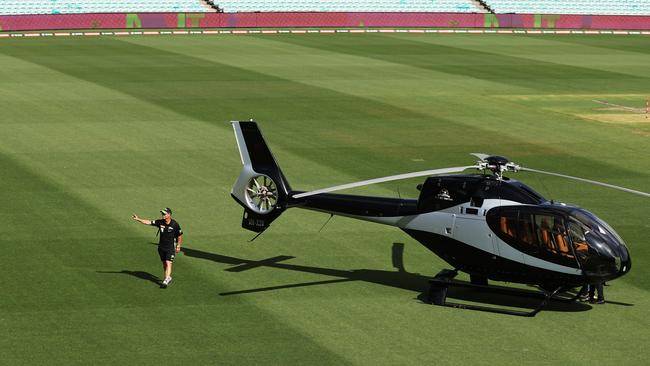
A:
(445, 223)
(553, 240)
(534, 234)
(472, 230)
(577, 233)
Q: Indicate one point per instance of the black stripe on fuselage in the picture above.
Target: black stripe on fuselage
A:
(478, 262)
(357, 205)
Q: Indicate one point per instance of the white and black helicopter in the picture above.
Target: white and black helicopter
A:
(484, 224)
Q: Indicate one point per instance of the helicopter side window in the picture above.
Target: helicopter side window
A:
(561, 239)
(540, 234)
(508, 224)
(526, 233)
(516, 228)
(543, 225)
(577, 234)
(554, 240)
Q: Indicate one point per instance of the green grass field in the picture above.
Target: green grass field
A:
(95, 129)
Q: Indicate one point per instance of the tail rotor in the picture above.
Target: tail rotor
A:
(261, 194)
(261, 188)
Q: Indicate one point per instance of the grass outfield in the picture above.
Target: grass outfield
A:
(95, 129)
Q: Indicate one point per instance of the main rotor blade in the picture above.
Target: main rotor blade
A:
(480, 155)
(387, 179)
(587, 181)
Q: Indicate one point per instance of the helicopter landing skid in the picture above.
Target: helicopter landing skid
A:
(445, 279)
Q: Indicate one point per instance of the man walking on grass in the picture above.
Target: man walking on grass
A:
(171, 238)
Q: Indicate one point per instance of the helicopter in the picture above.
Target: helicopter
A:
(485, 224)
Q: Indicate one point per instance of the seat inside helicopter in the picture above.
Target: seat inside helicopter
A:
(541, 235)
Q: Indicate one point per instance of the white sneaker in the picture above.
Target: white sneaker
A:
(166, 282)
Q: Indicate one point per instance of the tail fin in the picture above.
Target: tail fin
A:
(261, 188)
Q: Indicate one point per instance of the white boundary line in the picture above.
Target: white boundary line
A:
(632, 109)
(175, 32)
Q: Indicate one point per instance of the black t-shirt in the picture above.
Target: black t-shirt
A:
(168, 233)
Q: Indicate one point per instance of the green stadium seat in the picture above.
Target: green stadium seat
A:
(11, 7)
(600, 7)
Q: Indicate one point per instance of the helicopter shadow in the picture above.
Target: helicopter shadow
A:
(137, 274)
(399, 279)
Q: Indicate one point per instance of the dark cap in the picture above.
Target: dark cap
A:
(166, 211)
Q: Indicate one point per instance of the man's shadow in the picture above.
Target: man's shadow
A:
(399, 279)
(137, 274)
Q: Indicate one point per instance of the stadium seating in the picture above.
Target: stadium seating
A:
(586, 7)
(450, 6)
(15, 7)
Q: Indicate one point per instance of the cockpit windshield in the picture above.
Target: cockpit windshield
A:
(600, 249)
(568, 236)
(595, 224)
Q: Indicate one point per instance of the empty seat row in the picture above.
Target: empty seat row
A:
(586, 7)
(590, 7)
(452, 6)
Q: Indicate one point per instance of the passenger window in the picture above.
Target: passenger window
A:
(517, 229)
(577, 234)
(540, 233)
(554, 240)
(543, 226)
(561, 239)
(526, 234)
(508, 223)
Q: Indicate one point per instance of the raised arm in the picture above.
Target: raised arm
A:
(141, 220)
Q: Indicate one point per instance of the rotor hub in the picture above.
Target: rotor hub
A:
(497, 165)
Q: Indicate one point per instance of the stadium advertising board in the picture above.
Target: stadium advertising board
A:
(323, 19)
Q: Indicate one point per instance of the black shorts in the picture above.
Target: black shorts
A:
(167, 254)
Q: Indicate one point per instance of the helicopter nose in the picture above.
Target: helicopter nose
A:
(622, 262)
(608, 258)
(625, 262)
